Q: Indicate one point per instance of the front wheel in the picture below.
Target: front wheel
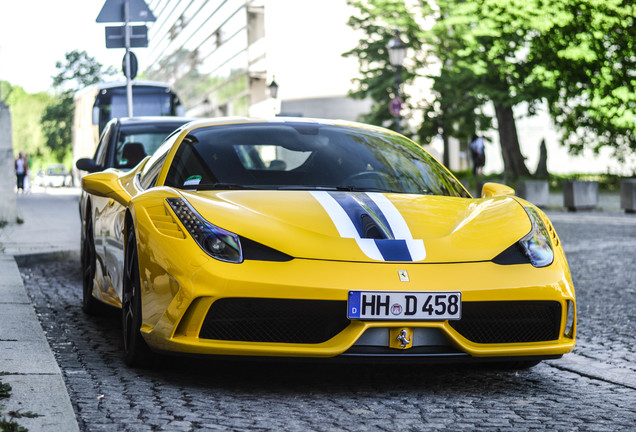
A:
(136, 352)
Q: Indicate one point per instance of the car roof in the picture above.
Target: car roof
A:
(203, 122)
(153, 120)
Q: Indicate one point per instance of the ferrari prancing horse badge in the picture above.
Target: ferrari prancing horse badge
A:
(404, 276)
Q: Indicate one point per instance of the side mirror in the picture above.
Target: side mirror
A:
(496, 189)
(87, 164)
(106, 184)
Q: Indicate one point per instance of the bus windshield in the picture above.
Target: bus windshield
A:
(148, 100)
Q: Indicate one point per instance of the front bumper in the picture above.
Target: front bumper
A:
(178, 298)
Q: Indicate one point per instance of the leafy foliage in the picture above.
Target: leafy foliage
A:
(378, 19)
(575, 55)
(5, 390)
(77, 71)
(26, 112)
(587, 59)
(57, 125)
(9, 425)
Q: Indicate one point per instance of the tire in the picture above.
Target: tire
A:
(90, 305)
(136, 352)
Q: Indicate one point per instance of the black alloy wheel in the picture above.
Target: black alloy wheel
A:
(136, 352)
(90, 305)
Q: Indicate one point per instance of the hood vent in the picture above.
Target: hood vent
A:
(371, 229)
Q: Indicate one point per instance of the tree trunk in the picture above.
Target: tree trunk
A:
(446, 150)
(542, 166)
(514, 162)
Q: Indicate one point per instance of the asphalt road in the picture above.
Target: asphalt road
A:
(591, 389)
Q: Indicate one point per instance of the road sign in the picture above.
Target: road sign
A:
(134, 65)
(126, 11)
(113, 11)
(116, 37)
(396, 106)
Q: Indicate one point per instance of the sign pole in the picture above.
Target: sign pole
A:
(127, 42)
(126, 11)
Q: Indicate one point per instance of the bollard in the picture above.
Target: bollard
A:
(628, 195)
(580, 195)
(535, 191)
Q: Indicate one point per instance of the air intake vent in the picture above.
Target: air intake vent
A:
(509, 321)
(274, 320)
(163, 221)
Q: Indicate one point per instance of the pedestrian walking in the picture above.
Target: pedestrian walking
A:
(478, 154)
(21, 170)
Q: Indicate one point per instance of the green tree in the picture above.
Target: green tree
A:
(468, 75)
(57, 125)
(586, 58)
(378, 20)
(575, 55)
(26, 112)
(485, 44)
(78, 70)
(454, 111)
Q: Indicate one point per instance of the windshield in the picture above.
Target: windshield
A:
(136, 142)
(306, 156)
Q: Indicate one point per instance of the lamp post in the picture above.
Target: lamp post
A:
(397, 53)
(273, 94)
(273, 88)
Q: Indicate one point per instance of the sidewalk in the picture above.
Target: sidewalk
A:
(51, 230)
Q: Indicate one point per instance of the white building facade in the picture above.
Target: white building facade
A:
(221, 55)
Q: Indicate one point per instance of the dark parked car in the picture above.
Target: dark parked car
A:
(126, 141)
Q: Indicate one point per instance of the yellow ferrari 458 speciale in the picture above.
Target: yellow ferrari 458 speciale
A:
(321, 239)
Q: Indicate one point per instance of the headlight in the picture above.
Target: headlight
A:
(536, 244)
(216, 242)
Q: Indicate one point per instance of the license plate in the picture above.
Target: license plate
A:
(399, 306)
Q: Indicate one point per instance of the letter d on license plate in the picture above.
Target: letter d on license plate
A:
(400, 306)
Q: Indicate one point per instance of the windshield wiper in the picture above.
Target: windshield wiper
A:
(306, 187)
(339, 188)
(217, 186)
(365, 189)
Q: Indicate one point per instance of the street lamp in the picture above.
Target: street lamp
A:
(397, 53)
(273, 88)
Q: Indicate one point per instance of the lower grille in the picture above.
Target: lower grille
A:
(509, 321)
(274, 320)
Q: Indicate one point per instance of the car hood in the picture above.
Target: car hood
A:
(368, 227)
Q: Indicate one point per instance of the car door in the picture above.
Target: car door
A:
(105, 220)
(99, 204)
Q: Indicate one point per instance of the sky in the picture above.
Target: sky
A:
(35, 34)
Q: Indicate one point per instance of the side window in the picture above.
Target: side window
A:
(149, 178)
(102, 149)
(153, 167)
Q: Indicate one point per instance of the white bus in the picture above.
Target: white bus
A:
(97, 104)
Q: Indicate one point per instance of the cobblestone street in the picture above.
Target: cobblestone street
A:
(591, 389)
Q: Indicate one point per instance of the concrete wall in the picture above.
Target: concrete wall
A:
(8, 211)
